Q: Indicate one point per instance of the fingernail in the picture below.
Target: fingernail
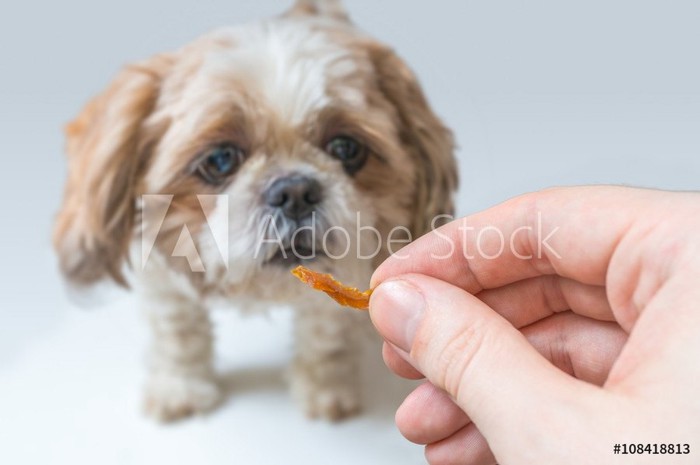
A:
(397, 307)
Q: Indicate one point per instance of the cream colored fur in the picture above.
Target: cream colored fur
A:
(279, 88)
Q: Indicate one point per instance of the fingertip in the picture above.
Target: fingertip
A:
(396, 309)
(381, 273)
(428, 415)
(398, 362)
(376, 278)
(466, 446)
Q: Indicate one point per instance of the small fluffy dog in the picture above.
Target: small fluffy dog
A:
(214, 169)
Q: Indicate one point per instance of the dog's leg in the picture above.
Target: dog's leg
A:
(324, 376)
(181, 380)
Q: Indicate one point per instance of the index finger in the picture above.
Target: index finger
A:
(570, 232)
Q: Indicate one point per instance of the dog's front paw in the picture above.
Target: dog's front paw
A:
(331, 402)
(168, 398)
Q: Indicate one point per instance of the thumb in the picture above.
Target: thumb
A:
(464, 347)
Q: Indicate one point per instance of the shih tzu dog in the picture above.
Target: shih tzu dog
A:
(208, 172)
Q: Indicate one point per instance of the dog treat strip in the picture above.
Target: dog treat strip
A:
(344, 295)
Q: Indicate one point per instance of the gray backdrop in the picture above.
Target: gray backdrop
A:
(539, 93)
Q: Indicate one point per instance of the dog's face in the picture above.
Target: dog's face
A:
(277, 141)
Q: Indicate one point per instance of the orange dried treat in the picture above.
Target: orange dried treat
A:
(344, 295)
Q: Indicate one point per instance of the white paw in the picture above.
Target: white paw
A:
(169, 397)
(328, 402)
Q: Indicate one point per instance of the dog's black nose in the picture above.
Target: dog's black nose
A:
(295, 195)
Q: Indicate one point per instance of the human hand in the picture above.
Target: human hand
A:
(611, 298)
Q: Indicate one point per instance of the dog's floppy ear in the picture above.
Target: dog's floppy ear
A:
(329, 8)
(431, 142)
(106, 149)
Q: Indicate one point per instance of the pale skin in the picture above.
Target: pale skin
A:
(550, 359)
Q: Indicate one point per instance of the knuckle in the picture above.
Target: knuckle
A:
(458, 357)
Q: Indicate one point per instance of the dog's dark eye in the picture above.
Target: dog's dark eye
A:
(219, 163)
(349, 151)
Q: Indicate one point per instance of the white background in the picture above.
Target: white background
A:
(539, 93)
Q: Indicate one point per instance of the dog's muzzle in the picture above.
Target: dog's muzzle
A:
(294, 200)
